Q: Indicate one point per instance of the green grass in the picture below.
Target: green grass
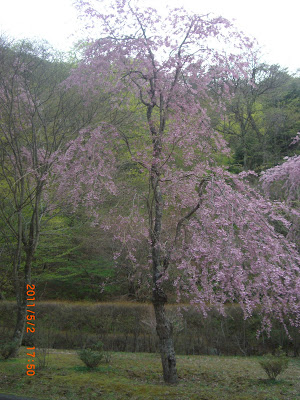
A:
(137, 376)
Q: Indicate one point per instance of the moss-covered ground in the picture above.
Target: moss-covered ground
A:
(137, 376)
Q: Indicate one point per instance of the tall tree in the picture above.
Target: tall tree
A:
(37, 117)
(206, 233)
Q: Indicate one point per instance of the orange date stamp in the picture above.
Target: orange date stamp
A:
(30, 327)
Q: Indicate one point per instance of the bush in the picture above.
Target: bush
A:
(273, 366)
(91, 355)
(8, 349)
(44, 340)
(107, 357)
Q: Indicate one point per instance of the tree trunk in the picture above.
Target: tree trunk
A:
(21, 294)
(165, 333)
(30, 246)
(163, 325)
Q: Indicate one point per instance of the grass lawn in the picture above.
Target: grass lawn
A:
(138, 376)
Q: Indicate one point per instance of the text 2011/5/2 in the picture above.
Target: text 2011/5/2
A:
(30, 326)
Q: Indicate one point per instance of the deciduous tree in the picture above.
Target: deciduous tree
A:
(206, 232)
(37, 117)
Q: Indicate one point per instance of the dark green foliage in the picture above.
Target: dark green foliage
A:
(73, 262)
(7, 349)
(77, 279)
(92, 355)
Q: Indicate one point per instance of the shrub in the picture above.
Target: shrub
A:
(8, 349)
(42, 355)
(44, 340)
(91, 355)
(107, 357)
(273, 366)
